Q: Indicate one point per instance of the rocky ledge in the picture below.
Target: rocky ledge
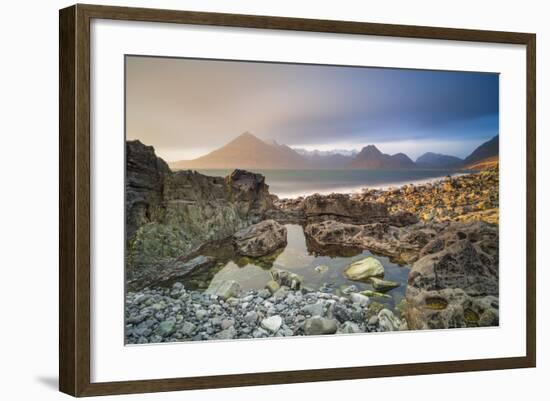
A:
(170, 214)
(227, 312)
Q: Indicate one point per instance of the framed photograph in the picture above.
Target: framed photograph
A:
(250, 200)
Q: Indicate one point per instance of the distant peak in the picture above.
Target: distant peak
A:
(246, 134)
(370, 149)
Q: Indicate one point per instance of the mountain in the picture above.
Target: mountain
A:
(246, 152)
(371, 158)
(485, 153)
(437, 160)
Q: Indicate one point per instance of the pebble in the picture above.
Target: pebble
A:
(155, 315)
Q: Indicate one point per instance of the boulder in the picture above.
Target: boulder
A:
(364, 269)
(317, 325)
(260, 239)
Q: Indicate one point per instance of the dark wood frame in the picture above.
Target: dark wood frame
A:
(74, 199)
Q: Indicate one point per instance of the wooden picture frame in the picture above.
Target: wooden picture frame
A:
(74, 199)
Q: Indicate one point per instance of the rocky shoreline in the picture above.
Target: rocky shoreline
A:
(446, 233)
(176, 314)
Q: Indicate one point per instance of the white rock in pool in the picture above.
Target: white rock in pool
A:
(364, 268)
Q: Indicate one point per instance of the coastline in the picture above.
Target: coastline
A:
(347, 190)
(445, 231)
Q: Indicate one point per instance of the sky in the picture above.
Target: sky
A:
(186, 108)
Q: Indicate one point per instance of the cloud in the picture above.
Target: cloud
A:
(184, 106)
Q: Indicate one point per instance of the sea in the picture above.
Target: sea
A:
(296, 183)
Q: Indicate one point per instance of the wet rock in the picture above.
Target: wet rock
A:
(321, 269)
(286, 278)
(383, 285)
(260, 239)
(317, 325)
(365, 268)
(272, 286)
(359, 299)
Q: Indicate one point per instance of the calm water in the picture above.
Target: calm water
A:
(297, 257)
(293, 183)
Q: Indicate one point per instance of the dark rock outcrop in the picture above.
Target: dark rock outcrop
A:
(169, 214)
(145, 174)
(344, 207)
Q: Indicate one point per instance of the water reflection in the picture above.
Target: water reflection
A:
(321, 269)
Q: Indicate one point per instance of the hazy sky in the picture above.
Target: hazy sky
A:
(186, 108)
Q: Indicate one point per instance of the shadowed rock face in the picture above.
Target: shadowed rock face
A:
(145, 175)
(170, 214)
(343, 206)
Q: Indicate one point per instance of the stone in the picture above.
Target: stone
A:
(227, 334)
(339, 312)
(375, 294)
(273, 323)
(359, 299)
(364, 269)
(167, 327)
(349, 289)
(286, 278)
(187, 328)
(224, 289)
(227, 323)
(383, 285)
(387, 321)
(321, 269)
(374, 308)
(281, 293)
(316, 309)
(272, 286)
(251, 317)
(260, 239)
(349, 328)
(317, 325)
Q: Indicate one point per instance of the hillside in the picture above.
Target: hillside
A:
(438, 160)
(371, 158)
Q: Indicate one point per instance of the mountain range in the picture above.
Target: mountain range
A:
(249, 152)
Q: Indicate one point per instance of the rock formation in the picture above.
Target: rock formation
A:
(171, 213)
